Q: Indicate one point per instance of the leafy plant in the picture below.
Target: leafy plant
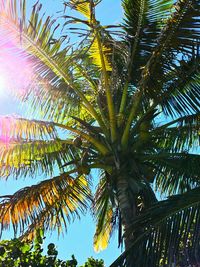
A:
(22, 254)
(123, 99)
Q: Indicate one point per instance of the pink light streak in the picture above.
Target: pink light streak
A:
(15, 70)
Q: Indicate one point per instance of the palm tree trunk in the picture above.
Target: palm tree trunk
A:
(128, 209)
(127, 206)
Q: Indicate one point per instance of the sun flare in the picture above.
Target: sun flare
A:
(2, 83)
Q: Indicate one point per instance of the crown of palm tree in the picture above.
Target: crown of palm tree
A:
(124, 100)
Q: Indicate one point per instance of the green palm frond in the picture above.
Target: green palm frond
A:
(143, 23)
(174, 172)
(188, 120)
(178, 139)
(185, 100)
(55, 102)
(36, 37)
(179, 135)
(181, 95)
(21, 128)
(170, 236)
(30, 158)
(172, 41)
(50, 57)
(51, 102)
(63, 195)
(97, 49)
(99, 53)
(163, 60)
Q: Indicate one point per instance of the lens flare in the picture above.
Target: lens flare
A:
(2, 83)
(16, 73)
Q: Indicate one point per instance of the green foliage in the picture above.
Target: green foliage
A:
(21, 254)
(16, 253)
(103, 103)
(91, 262)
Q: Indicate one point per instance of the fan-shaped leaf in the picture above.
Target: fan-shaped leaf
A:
(61, 195)
(170, 234)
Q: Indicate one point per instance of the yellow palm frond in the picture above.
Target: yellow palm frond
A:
(102, 237)
(47, 204)
(83, 6)
(99, 53)
(105, 214)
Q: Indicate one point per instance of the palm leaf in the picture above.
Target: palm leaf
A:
(178, 139)
(97, 49)
(49, 57)
(181, 93)
(176, 173)
(55, 102)
(178, 135)
(143, 22)
(35, 37)
(82, 6)
(104, 215)
(170, 236)
(99, 53)
(21, 128)
(30, 158)
(172, 41)
(54, 200)
(173, 172)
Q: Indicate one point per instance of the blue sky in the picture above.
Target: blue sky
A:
(79, 237)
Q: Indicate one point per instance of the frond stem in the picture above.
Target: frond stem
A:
(125, 91)
(102, 148)
(110, 103)
(132, 115)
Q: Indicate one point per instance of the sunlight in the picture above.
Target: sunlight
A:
(15, 71)
(2, 83)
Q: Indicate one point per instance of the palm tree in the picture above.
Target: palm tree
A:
(125, 101)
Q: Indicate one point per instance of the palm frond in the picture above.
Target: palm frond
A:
(55, 201)
(99, 53)
(82, 6)
(104, 215)
(179, 139)
(174, 172)
(188, 120)
(21, 128)
(35, 36)
(182, 87)
(50, 57)
(177, 174)
(170, 234)
(179, 135)
(30, 158)
(175, 38)
(97, 49)
(55, 102)
(143, 22)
